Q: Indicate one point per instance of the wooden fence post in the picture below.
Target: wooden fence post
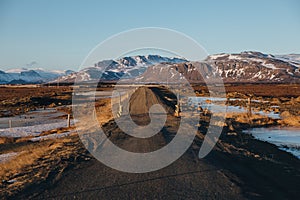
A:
(249, 106)
(69, 120)
(10, 124)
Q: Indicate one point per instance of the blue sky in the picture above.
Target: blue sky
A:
(59, 34)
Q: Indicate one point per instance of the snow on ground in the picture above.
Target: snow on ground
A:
(293, 59)
(35, 129)
(269, 65)
(7, 156)
(234, 57)
(216, 56)
(52, 136)
(31, 130)
(40, 116)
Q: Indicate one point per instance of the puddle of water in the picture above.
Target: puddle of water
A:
(214, 106)
(287, 138)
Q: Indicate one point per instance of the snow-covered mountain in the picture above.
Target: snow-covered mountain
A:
(126, 67)
(24, 75)
(252, 66)
(245, 67)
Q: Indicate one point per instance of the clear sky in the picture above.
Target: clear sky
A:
(58, 34)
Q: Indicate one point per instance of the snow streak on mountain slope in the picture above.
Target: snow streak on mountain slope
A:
(293, 59)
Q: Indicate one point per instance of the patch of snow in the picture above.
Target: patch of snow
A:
(216, 56)
(290, 73)
(234, 57)
(31, 130)
(51, 136)
(7, 156)
(269, 65)
(17, 70)
(293, 59)
(272, 76)
(257, 75)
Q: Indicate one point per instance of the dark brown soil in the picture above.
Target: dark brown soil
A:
(17, 100)
(264, 90)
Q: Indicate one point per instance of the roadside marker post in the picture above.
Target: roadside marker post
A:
(69, 121)
(249, 107)
(10, 124)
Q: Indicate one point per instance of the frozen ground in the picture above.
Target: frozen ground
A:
(33, 123)
(32, 130)
(52, 136)
(7, 156)
(287, 138)
(41, 116)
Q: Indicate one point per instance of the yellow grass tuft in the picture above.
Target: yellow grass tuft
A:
(25, 158)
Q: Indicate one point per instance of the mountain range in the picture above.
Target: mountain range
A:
(112, 70)
(245, 67)
(25, 76)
